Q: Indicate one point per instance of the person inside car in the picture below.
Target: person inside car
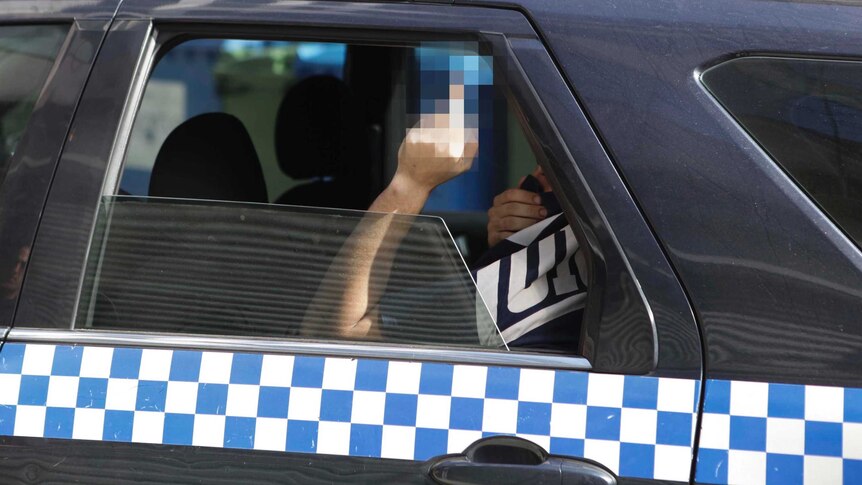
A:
(536, 301)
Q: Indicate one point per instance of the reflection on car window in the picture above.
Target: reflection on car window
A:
(267, 190)
(808, 115)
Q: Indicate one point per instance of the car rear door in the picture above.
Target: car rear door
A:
(146, 406)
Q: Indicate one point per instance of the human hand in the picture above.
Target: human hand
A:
(513, 210)
(433, 153)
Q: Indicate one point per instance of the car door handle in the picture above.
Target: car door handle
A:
(505, 460)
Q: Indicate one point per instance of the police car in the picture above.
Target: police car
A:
(184, 191)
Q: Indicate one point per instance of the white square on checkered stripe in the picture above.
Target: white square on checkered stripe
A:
(339, 374)
(605, 390)
(822, 469)
(785, 436)
(155, 365)
(242, 400)
(403, 377)
(368, 407)
(715, 431)
(304, 404)
(541, 440)
(433, 411)
(824, 404)
(181, 397)
(270, 434)
(568, 420)
(749, 399)
(500, 416)
(277, 370)
(96, 362)
(605, 452)
(10, 387)
(38, 360)
(672, 463)
(215, 367)
(852, 436)
(460, 439)
(469, 381)
(536, 385)
(747, 467)
(89, 424)
(676, 395)
(122, 394)
(30, 421)
(208, 431)
(62, 391)
(148, 427)
(333, 438)
(638, 426)
(398, 442)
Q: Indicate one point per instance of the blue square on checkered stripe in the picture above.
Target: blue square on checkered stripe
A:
(336, 405)
(301, 436)
(466, 413)
(784, 469)
(823, 439)
(246, 368)
(151, 396)
(570, 387)
(12, 358)
(640, 392)
(308, 371)
(273, 402)
(534, 418)
(400, 409)
(567, 446)
(33, 390)
(853, 405)
(603, 423)
(852, 471)
(636, 460)
(126, 363)
(67, 360)
(371, 375)
(92, 392)
(502, 382)
(186, 365)
(717, 398)
(711, 466)
(118, 425)
(179, 429)
(430, 442)
(673, 428)
(7, 420)
(786, 401)
(59, 422)
(212, 399)
(366, 440)
(747, 433)
(436, 379)
(239, 432)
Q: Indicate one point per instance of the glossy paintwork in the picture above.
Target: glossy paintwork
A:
(53, 10)
(775, 285)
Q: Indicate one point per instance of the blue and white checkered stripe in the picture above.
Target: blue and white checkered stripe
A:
(637, 426)
(756, 432)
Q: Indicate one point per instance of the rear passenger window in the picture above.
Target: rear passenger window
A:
(808, 115)
(249, 202)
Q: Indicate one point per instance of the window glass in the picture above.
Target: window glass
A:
(808, 115)
(27, 54)
(263, 194)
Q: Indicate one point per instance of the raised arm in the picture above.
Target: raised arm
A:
(346, 300)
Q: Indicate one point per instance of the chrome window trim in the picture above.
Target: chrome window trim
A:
(305, 347)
